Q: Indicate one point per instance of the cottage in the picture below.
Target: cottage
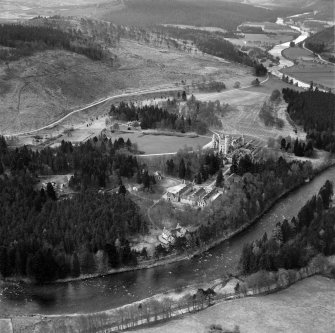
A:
(167, 236)
(180, 231)
(158, 176)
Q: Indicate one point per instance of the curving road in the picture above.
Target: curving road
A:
(99, 102)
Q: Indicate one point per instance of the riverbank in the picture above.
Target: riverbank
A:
(182, 257)
(160, 309)
(305, 307)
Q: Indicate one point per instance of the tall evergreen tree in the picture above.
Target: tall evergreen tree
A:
(182, 169)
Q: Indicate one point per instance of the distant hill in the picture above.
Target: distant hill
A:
(326, 37)
(224, 14)
(323, 42)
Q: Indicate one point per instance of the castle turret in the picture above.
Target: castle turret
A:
(226, 144)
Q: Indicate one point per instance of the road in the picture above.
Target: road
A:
(318, 55)
(101, 101)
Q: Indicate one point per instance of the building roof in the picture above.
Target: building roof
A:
(176, 189)
(201, 191)
(216, 196)
(210, 194)
(186, 188)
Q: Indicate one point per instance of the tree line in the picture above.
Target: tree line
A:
(155, 117)
(24, 40)
(196, 167)
(45, 238)
(314, 110)
(94, 162)
(294, 243)
(252, 189)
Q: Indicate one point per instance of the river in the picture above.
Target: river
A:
(115, 290)
(283, 62)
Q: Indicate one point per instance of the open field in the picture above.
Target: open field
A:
(297, 53)
(263, 41)
(323, 74)
(308, 67)
(12, 10)
(246, 104)
(40, 89)
(306, 307)
(209, 13)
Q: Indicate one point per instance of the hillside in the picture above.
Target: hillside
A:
(223, 14)
(323, 42)
(38, 89)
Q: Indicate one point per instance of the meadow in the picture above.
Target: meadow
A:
(244, 115)
(306, 307)
(322, 74)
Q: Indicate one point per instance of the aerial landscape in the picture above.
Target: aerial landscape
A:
(167, 166)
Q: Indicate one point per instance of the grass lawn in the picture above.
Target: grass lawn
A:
(157, 144)
(307, 306)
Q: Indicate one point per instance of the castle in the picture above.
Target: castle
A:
(225, 143)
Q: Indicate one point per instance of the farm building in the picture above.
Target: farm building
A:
(192, 195)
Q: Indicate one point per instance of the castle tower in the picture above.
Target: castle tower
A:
(221, 143)
(226, 144)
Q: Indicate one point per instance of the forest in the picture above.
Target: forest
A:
(294, 243)
(94, 162)
(322, 41)
(211, 43)
(314, 110)
(24, 40)
(255, 186)
(44, 237)
(194, 166)
(195, 118)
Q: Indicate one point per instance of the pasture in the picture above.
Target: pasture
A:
(322, 74)
(243, 117)
(305, 307)
(296, 53)
(263, 41)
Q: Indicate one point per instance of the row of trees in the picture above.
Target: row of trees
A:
(314, 110)
(299, 148)
(294, 243)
